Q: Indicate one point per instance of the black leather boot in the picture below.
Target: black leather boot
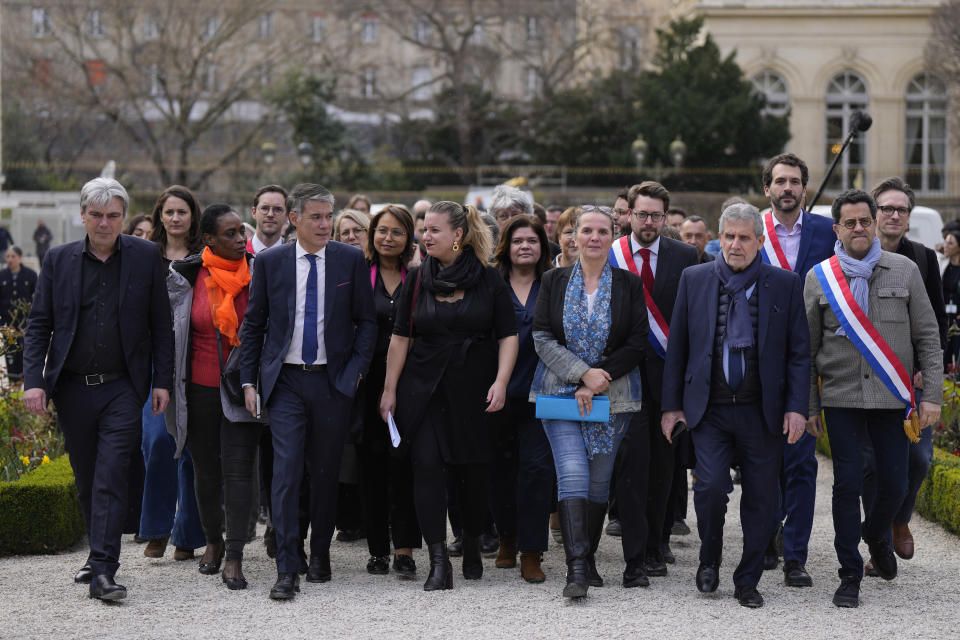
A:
(576, 545)
(472, 559)
(441, 571)
(596, 512)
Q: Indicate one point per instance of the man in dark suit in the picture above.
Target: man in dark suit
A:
(645, 462)
(738, 373)
(100, 322)
(794, 240)
(307, 336)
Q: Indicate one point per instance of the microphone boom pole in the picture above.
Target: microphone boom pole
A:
(859, 121)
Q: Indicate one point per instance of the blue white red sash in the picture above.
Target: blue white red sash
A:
(621, 256)
(862, 333)
(772, 252)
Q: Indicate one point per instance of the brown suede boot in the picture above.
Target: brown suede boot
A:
(156, 548)
(507, 553)
(530, 566)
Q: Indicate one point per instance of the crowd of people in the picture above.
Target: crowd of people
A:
(528, 368)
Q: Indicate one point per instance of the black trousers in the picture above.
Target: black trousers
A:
(239, 442)
(389, 513)
(523, 476)
(308, 421)
(430, 475)
(101, 429)
(204, 416)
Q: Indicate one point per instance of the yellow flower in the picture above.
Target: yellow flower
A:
(45, 460)
(25, 460)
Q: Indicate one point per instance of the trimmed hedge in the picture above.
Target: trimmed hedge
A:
(939, 496)
(40, 512)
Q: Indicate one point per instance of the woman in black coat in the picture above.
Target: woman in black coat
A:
(458, 315)
(17, 284)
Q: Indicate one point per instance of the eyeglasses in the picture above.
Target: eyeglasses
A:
(264, 209)
(655, 216)
(888, 210)
(851, 223)
(593, 207)
(394, 233)
(352, 232)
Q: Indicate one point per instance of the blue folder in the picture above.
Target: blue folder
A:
(565, 408)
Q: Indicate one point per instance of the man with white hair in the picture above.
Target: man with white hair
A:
(738, 374)
(98, 334)
(508, 202)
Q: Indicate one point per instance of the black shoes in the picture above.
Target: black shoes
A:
(667, 554)
(771, 559)
(455, 548)
(85, 574)
(576, 545)
(634, 575)
(270, 541)
(236, 581)
(441, 571)
(795, 575)
(884, 562)
(654, 565)
(847, 594)
(472, 560)
(211, 566)
(748, 596)
(404, 566)
(319, 569)
(489, 544)
(286, 587)
(596, 513)
(351, 535)
(680, 528)
(104, 588)
(378, 565)
(708, 577)
(614, 528)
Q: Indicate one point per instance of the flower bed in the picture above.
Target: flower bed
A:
(40, 512)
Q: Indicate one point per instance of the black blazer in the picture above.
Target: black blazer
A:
(146, 333)
(24, 288)
(349, 319)
(626, 343)
(783, 345)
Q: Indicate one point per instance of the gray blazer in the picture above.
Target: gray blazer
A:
(900, 310)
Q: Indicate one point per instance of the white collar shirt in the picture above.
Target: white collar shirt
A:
(789, 239)
(654, 247)
(294, 352)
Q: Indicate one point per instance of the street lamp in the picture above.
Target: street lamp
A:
(639, 150)
(305, 149)
(269, 152)
(678, 151)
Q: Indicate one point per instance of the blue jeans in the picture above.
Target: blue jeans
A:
(848, 430)
(577, 475)
(169, 501)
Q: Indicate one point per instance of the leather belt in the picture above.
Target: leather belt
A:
(309, 368)
(94, 379)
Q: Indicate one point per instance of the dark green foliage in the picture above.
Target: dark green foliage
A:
(39, 513)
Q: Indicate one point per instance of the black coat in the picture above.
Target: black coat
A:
(13, 289)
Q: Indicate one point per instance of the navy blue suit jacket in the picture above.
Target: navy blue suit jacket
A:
(349, 319)
(146, 332)
(783, 344)
(817, 240)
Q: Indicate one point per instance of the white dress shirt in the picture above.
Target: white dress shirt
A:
(294, 355)
(258, 245)
(654, 247)
(789, 239)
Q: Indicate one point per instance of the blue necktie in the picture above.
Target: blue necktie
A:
(309, 349)
(734, 369)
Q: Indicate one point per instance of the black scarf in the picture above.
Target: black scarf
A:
(736, 283)
(464, 273)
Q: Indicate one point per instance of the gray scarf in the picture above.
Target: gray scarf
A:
(858, 271)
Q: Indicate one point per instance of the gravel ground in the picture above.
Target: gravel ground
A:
(170, 599)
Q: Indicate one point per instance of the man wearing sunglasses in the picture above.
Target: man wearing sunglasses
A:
(645, 462)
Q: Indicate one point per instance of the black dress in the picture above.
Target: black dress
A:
(452, 363)
(951, 296)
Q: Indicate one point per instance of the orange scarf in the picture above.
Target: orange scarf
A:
(227, 279)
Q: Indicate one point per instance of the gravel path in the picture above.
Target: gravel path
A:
(172, 600)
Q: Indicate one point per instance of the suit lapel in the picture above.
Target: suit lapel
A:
(329, 282)
(76, 280)
(763, 303)
(288, 275)
(664, 269)
(712, 299)
(806, 237)
(124, 270)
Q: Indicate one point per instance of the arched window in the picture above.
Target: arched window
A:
(926, 133)
(773, 87)
(846, 93)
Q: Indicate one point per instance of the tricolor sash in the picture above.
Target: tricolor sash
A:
(863, 334)
(772, 252)
(622, 257)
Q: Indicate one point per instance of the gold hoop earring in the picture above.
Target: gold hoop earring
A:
(456, 246)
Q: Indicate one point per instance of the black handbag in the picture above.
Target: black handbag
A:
(230, 374)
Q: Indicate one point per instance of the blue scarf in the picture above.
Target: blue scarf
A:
(586, 337)
(858, 271)
(736, 283)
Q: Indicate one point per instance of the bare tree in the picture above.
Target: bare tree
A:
(943, 51)
(167, 75)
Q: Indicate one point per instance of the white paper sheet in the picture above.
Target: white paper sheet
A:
(394, 434)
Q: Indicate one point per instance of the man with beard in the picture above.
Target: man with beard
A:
(645, 462)
(795, 240)
(621, 209)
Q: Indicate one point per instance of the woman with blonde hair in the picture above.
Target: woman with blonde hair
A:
(351, 228)
(457, 313)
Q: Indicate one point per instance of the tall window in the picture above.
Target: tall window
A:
(926, 138)
(421, 30)
(628, 48)
(211, 26)
(846, 93)
(155, 83)
(533, 85)
(773, 87)
(151, 27)
(368, 83)
(421, 82)
(318, 28)
(95, 23)
(41, 22)
(368, 28)
(209, 78)
(533, 29)
(265, 26)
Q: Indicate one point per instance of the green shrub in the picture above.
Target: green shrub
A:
(939, 496)
(40, 512)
